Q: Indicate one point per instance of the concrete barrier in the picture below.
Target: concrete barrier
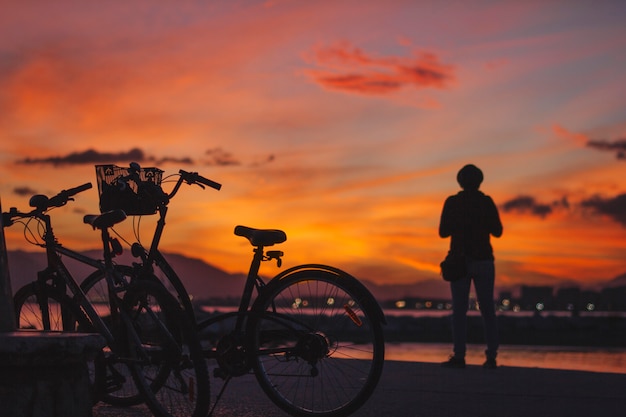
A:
(45, 374)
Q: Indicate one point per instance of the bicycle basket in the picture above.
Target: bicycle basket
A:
(137, 196)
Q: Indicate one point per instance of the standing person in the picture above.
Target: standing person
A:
(469, 218)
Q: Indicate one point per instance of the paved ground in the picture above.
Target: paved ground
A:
(411, 389)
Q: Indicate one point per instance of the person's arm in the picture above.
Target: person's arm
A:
(446, 221)
(495, 228)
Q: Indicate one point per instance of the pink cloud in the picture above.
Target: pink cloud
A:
(578, 138)
(348, 68)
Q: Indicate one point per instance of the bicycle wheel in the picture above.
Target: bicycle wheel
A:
(119, 387)
(316, 343)
(168, 364)
(40, 306)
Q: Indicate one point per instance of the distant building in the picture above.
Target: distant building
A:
(536, 298)
(568, 299)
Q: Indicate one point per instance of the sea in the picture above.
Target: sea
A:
(591, 359)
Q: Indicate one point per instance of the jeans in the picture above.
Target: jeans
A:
(483, 275)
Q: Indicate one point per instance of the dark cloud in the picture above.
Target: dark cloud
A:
(618, 146)
(24, 191)
(214, 157)
(613, 207)
(185, 160)
(219, 157)
(268, 159)
(90, 156)
(528, 204)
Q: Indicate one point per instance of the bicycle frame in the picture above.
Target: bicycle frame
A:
(64, 277)
(154, 257)
(253, 281)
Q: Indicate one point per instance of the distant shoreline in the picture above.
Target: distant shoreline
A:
(546, 329)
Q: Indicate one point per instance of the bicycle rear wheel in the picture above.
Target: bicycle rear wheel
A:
(168, 364)
(40, 306)
(316, 342)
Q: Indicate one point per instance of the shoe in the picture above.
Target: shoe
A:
(490, 363)
(454, 362)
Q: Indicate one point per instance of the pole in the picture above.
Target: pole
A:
(7, 314)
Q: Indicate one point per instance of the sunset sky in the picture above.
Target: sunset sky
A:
(342, 122)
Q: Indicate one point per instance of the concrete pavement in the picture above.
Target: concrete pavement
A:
(415, 389)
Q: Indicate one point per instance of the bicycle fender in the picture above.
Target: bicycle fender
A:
(350, 281)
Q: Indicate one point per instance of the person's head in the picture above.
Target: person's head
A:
(469, 177)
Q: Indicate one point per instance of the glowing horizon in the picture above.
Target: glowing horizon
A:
(343, 123)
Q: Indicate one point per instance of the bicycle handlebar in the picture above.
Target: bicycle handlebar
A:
(64, 196)
(41, 203)
(195, 178)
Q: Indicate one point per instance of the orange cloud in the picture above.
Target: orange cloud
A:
(348, 68)
(578, 138)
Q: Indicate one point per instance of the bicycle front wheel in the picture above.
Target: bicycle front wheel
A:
(119, 387)
(168, 364)
(316, 343)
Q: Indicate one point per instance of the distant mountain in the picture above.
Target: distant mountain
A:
(619, 281)
(205, 281)
(201, 279)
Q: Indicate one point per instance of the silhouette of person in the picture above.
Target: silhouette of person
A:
(469, 218)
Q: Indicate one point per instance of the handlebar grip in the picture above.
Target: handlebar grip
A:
(63, 197)
(193, 177)
(79, 189)
(209, 183)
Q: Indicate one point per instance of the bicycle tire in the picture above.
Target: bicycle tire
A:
(119, 385)
(169, 367)
(306, 330)
(64, 315)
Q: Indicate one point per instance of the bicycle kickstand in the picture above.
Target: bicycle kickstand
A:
(219, 396)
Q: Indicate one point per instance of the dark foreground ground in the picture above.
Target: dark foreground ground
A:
(414, 389)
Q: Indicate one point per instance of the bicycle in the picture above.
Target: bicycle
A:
(320, 325)
(312, 337)
(138, 192)
(147, 334)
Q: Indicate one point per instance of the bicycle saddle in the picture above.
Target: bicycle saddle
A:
(105, 220)
(261, 237)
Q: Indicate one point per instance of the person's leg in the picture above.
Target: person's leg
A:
(484, 278)
(460, 302)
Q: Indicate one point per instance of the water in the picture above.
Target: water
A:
(593, 359)
(612, 360)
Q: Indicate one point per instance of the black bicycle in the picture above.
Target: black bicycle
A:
(313, 335)
(138, 192)
(152, 354)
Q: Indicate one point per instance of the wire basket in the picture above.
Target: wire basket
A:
(137, 192)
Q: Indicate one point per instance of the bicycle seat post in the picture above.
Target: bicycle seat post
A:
(253, 273)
